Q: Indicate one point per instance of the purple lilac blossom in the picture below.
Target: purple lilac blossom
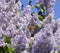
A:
(44, 40)
(14, 24)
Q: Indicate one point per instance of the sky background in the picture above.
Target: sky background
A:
(56, 8)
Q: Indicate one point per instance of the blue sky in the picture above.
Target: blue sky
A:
(56, 8)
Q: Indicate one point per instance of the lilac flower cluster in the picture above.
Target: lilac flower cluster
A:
(28, 34)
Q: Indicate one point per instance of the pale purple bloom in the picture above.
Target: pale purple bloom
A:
(19, 42)
(14, 24)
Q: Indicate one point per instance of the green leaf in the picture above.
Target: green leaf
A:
(30, 45)
(38, 26)
(7, 39)
(9, 49)
(41, 18)
(44, 7)
(59, 52)
(37, 6)
(42, 10)
(1, 49)
(39, 13)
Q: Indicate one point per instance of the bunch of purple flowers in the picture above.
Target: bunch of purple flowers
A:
(27, 32)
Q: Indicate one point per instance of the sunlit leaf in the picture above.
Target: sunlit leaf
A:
(42, 10)
(9, 49)
(37, 6)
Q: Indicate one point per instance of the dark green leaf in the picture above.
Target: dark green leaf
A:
(39, 13)
(7, 39)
